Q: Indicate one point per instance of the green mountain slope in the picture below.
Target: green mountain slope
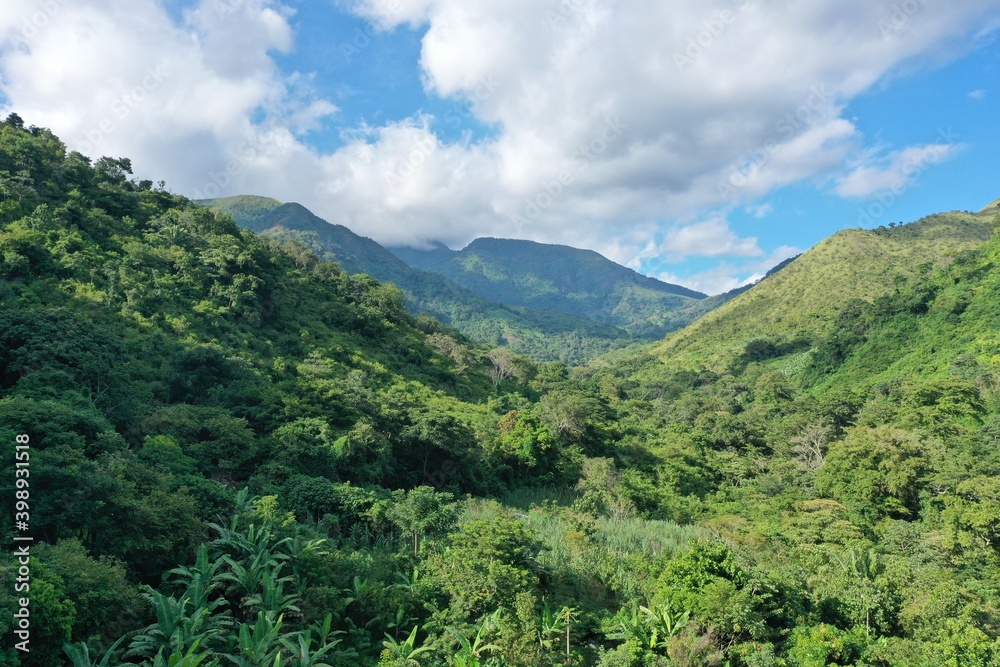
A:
(555, 277)
(800, 303)
(249, 210)
(237, 453)
(541, 334)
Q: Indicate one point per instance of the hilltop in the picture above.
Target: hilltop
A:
(560, 278)
(799, 304)
(545, 301)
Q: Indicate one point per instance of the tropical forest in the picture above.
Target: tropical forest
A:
(249, 447)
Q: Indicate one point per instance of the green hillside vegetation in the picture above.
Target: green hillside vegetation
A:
(543, 335)
(559, 278)
(241, 454)
(249, 211)
(991, 207)
(799, 304)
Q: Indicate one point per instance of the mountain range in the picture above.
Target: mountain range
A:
(549, 302)
(241, 453)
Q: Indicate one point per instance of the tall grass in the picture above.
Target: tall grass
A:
(653, 537)
(528, 497)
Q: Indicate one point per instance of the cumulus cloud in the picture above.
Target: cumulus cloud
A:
(709, 238)
(893, 172)
(615, 119)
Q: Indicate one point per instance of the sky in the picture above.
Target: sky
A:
(697, 141)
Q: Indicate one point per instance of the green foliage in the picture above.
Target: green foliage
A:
(810, 478)
(421, 511)
(558, 278)
(572, 334)
(875, 472)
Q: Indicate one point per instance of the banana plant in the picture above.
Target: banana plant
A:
(201, 579)
(408, 583)
(360, 588)
(79, 654)
(470, 653)
(664, 621)
(401, 619)
(651, 628)
(259, 645)
(179, 625)
(550, 628)
(405, 652)
(298, 548)
(300, 645)
(190, 659)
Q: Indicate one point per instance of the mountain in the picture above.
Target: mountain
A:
(560, 278)
(799, 304)
(993, 207)
(235, 452)
(544, 335)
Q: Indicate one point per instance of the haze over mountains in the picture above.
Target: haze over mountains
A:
(545, 301)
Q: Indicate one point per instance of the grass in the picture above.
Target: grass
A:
(527, 497)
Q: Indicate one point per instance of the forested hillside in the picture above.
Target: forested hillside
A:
(541, 334)
(801, 302)
(560, 278)
(241, 454)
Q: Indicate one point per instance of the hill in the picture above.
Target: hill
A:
(238, 453)
(560, 278)
(540, 334)
(800, 303)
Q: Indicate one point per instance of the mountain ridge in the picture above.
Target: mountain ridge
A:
(801, 301)
(543, 300)
(540, 334)
(558, 277)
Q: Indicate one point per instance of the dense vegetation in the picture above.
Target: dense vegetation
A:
(244, 455)
(541, 334)
(562, 279)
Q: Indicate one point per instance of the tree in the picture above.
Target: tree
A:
(503, 364)
(423, 511)
(810, 447)
(972, 516)
(874, 472)
(488, 564)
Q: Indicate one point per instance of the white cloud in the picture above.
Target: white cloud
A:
(709, 238)
(893, 172)
(729, 275)
(979, 94)
(760, 211)
(611, 126)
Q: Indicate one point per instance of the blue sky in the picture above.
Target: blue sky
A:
(700, 142)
